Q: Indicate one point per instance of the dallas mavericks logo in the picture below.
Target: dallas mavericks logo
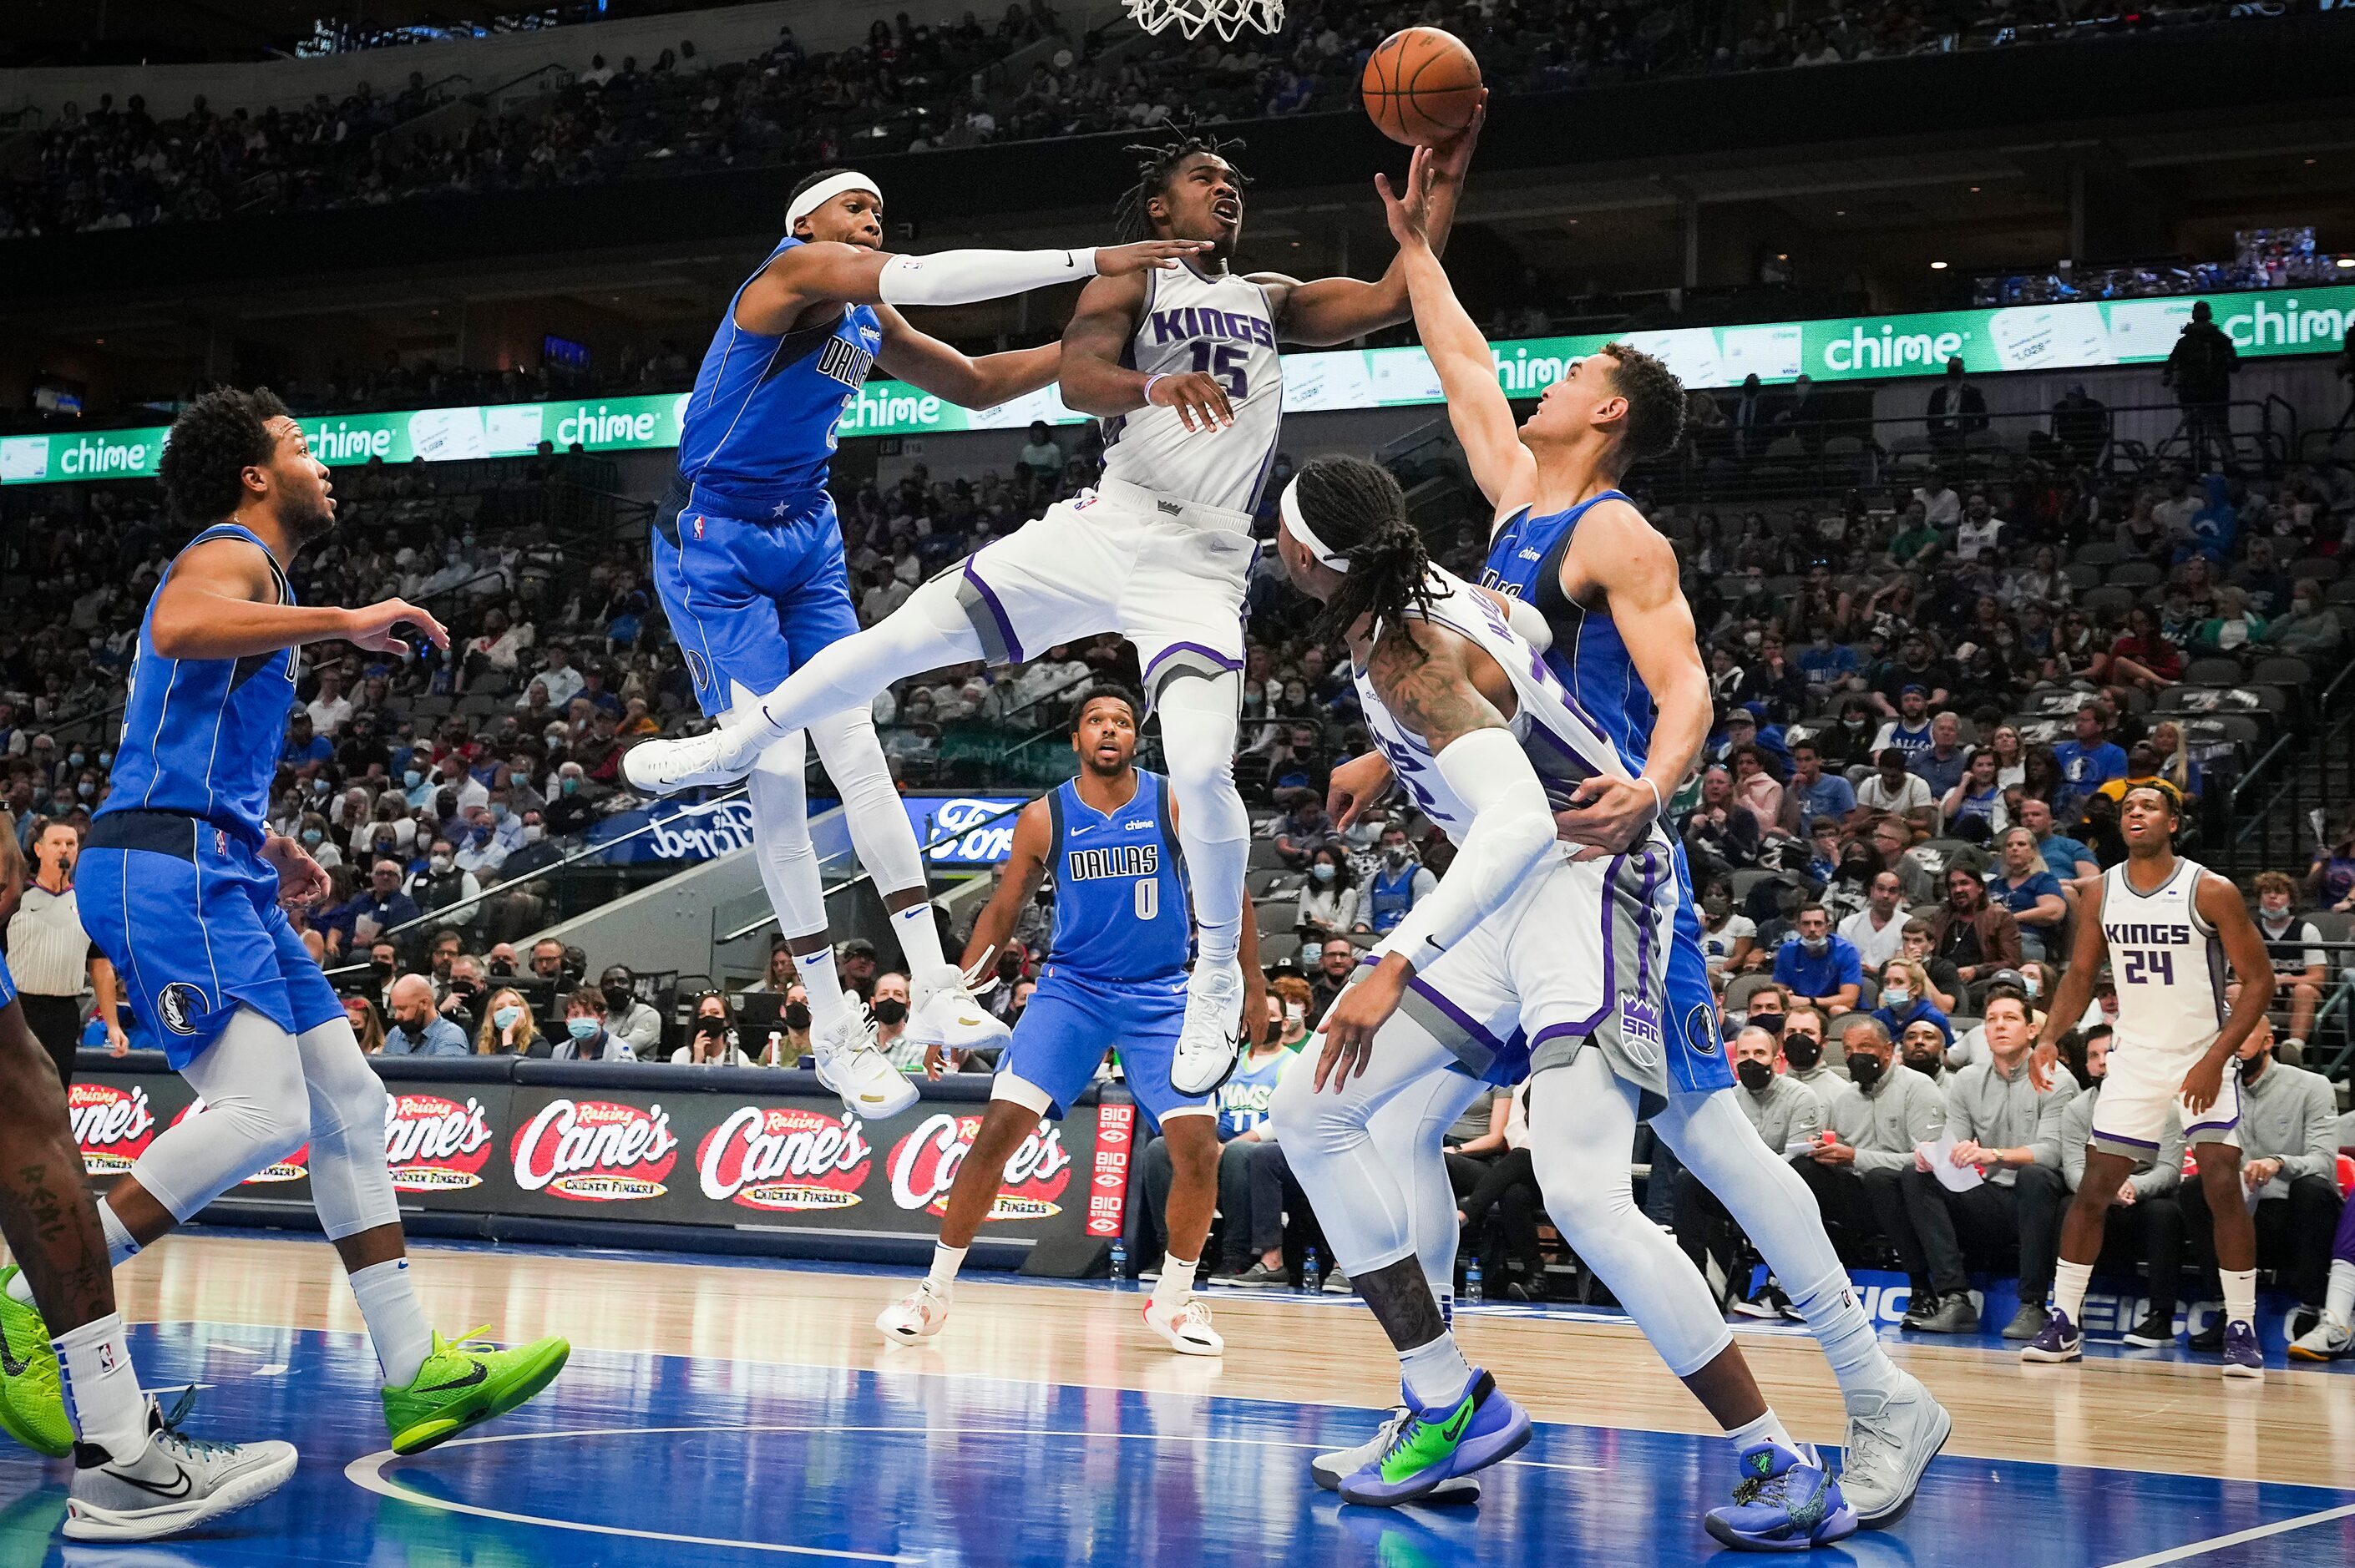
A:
(699, 670)
(180, 1004)
(1700, 1029)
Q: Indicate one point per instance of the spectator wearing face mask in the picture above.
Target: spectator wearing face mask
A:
(1807, 1051)
(2144, 1224)
(508, 1028)
(1329, 903)
(1728, 938)
(445, 885)
(585, 1035)
(572, 808)
(418, 1027)
(2301, 964)
(789, 1043)
(889, 1008)
(1819, 966)
(1786, 1113)
(626, 1019)
(1905, 1001)
(712, 1042)
(1398, 884)
(1873, 1124)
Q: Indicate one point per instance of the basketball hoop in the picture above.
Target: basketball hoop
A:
(1228, 17)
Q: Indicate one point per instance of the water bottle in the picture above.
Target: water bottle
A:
(1119, 1262)
(1472, 1283)
(1312, 1273)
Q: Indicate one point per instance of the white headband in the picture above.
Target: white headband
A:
(1288, 506)
(825, 191)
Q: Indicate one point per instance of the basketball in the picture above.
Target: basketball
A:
(1421, 86)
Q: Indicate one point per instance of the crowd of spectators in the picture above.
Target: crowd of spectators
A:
(916, 85)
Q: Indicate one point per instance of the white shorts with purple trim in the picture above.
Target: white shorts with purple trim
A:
(1168, 574)
(2143, 1092)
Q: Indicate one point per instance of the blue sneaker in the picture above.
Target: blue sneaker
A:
(2058, 1340)
(2242, 1357)
(1436, 1445)
(1786, 1501)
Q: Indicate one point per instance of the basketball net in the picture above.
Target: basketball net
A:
(1190, 16)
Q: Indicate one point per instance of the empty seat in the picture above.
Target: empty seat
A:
(2215, 670)
(2135, 574)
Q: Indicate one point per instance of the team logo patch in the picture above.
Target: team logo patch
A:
(1700, 1029)
(220, 841)
(698, 669)
(181, 1005)
(699, 524)
(1639, 1023)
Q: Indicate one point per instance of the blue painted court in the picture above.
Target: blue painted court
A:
(652, 1459)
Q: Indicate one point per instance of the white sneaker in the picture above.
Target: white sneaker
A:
(915, 1316)
(1329, 1468)
(1212, 1036)
(174, 1483)
(849, 1065)
(2326, 1341)
(1186, 1329)
(944, 1012)
(720, 754)
(1892, 1438)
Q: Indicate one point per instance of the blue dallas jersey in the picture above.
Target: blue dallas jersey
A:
(201, 737)
(760, 426)
(1588, 656)
(1121, 909)
(1243, 1099)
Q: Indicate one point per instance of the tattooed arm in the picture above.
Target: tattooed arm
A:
(1437, 692)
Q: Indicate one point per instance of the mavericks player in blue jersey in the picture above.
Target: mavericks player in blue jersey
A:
(1567, 541)
(181, 881)
(748, 560)
(1114, 979)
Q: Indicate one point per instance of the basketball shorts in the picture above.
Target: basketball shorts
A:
(750, 599)
(188, 915)
(1169, 574)
(2143, 1092)
(8, 984)
(1697, 1062)
(1062, 1035)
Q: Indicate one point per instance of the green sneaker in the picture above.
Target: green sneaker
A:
(465, 1383)
(32, 1404)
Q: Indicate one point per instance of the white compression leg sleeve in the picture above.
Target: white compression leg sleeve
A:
(1582, 1135)
(1773, 1206)
(1361, 1191)
(256, 1113)
(1198, 743)
(350, 1184)
(1414, 1122)
(788, 864)
(848, 744)
(928, 632)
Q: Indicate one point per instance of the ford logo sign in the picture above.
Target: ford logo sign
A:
(964, 830)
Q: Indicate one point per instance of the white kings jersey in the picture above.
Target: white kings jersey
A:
(1223, 327)
(2166, 960)
(1565, 745)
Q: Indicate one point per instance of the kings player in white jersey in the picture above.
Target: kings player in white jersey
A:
(2171, 930)
(1183, 369)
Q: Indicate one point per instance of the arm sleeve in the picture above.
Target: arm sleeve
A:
(1512, 829)
(962, 277)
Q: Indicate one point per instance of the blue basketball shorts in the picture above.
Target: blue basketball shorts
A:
(750, 599)
(1061, 1038)
(1697, 1059)
(8, 984)
(188, 914)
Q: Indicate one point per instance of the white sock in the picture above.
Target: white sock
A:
(20, 1288)
(1220, 944)
(2240, 1295)
(396, 1322)
(102, 1389)
(2340, 1305)
(1767, 1428)
(1436, 1374)
(1445, 1297)
(1846, 1335)
(829, 1013)
(1176, 1286)
(919, 937)
(119, 1243)
(2069, 1282)
(946, 1261)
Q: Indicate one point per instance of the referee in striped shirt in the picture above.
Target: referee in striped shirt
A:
(49, 953)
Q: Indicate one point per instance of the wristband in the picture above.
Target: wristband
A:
(1156, 376)
(1659, 807)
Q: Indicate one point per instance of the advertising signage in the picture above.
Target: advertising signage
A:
(2264, 323)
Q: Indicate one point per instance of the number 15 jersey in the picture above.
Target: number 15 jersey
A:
(2166, 960)
(1223, 327)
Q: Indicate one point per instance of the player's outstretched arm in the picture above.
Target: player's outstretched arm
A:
(1476, 406)
(1096, 382)
(811, 274)
(969, 382)
(221, 602)
(1335, 310)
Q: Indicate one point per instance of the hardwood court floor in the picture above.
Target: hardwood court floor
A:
(741, 1412)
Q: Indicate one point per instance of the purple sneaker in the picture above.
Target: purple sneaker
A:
(1786, 1501)
(2242, 1357)
(2060, 1341)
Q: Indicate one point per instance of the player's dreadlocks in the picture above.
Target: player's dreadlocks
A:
(216, 439)
(1156, 161)
(1357, 508)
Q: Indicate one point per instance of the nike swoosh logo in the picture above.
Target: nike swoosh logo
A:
(474, 1374)
(8, 1362)
(173, 1493)
(1454, 1429)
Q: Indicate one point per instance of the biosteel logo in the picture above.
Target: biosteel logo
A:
(112, 1126)
(1108, 1191)
(293, 1168)
(783, 1158)
(923, 1166)
(435, 1145)
(595, 1151)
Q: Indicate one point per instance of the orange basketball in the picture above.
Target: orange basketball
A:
(1421, 86)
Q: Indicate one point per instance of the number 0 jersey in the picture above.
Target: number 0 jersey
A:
(2166, 960)
(1120, 908)
(1223, 327)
